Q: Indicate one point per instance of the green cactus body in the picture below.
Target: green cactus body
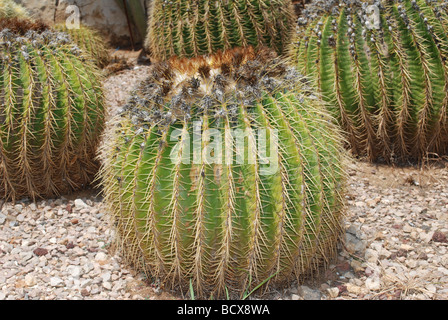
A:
(225, 215)
(90, 41)
(10, 9)
(192, 28)
(51, 115)
(386, 84)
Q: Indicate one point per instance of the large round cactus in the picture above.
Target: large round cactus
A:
(90, 41)
(223, 172)
(383, 70)
(187, 28)
(10, 9)
(51, 112)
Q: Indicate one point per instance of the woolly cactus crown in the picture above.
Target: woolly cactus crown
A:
(208, 83)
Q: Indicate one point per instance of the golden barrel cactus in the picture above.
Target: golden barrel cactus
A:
(382, 69)
(187, 28)
(51, 112)
(224, 171)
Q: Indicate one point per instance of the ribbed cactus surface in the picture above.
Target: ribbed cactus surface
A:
(187, 28)
(51, 112)
(383, 71)
(10, 9)
(224, 171)
(90, 41)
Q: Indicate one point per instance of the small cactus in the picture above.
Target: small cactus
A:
(227, 215)
(187, 28)
(90, 41)
(382, 68)
(51, 112)
(10, 9)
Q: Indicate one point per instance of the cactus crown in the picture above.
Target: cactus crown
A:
(51, 112)
(382, 68)
(187, 28)
(183, 88)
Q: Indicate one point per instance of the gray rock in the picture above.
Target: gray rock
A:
(354, 244)
(309, 294)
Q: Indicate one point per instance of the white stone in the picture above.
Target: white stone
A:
(431, 288)
(333, 292)
(86, 282)
(107, 285)
(49, 214)
(406, 247)
(100, 256)
(30, 280)
(373, 283)
(56, 282)
(106, 276)
(79, 204)
(74, 271)
(88, 267)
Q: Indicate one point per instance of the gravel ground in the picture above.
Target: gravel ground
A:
(396, 239)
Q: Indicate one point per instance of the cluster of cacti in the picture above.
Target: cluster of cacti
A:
(186, 28)
(90, 41)
(51, 112)
(10, 9)
(383, 71)
(218, 212)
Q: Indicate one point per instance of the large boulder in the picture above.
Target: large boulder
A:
(104, 15)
